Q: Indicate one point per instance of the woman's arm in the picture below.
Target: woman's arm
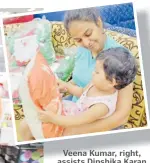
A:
(95, 112)
(118, 118)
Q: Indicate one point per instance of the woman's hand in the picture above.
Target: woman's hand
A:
(45, 116)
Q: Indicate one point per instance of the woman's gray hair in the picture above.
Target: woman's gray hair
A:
(85, 14)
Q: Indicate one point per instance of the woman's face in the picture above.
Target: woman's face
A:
(88, 34)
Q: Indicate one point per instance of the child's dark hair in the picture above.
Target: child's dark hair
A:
(120, 65)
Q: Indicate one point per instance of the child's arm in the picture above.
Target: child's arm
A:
(95, 112)
(72, 82)
(72, 89)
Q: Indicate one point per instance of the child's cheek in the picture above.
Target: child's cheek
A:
(94, 79)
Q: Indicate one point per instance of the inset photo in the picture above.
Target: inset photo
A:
(2, 60)
(28, 153)
(6, 125)
(4, 92)
(75, 72)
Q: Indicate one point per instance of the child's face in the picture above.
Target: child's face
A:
(99, 78)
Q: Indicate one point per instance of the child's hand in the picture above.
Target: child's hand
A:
(45, 116)
(62, 86)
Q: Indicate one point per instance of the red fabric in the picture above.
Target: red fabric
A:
(20, 19)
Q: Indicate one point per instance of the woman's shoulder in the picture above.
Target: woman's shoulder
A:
(82, 52)
(111, 43)
(82, 49)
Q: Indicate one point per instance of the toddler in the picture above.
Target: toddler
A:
(115, 69)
